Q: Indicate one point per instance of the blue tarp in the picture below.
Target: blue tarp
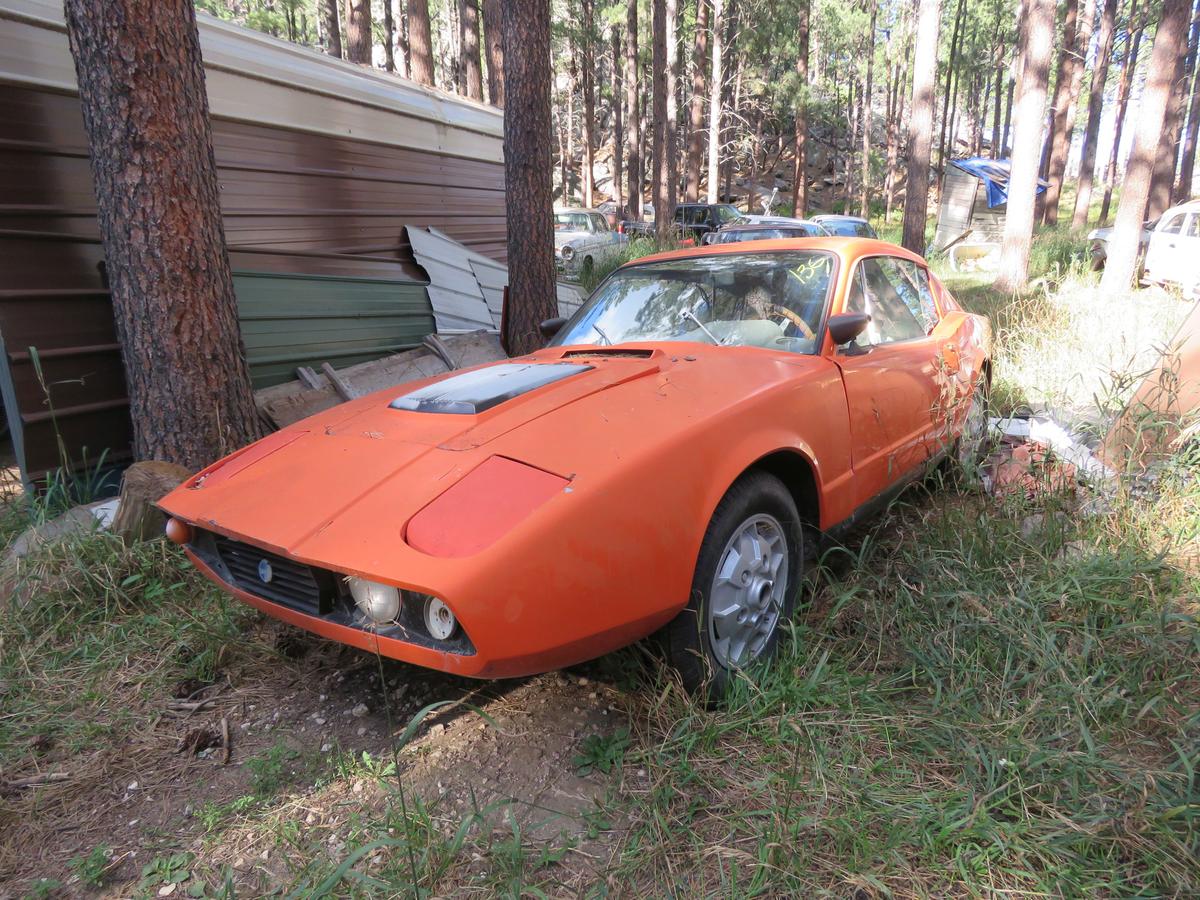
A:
(994, 174)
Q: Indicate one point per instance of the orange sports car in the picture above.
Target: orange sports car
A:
(667, 463)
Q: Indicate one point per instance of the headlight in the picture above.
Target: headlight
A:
(439, 620)
(378, 602)
(567, 251)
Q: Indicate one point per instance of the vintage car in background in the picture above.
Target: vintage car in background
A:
(692, 220)
(583, 238)
(846, 226)
(669, 462)
(1169, 251)
(1098, 239)
(765, 228)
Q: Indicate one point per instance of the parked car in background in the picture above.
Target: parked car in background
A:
(1173, 249)
(846, 226)
(1098, 239)
(611, 212)
(765, 231)
(583, 238)
(692, 220)
(669, 462)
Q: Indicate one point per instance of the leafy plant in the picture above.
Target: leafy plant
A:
(602, 751)
(91, 868)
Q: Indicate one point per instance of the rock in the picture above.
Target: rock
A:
(359, 711)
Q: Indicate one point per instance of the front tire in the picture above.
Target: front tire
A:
(744, 587)
(973, 439)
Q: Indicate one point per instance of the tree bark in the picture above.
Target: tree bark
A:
(1091, 131)
(145, 112)
(665, 163)
(1187, 153)
(864, 206)
(333, 27)
(1128, 70)
(358, 31)
(1066, 96)
(588, 69)
(920, 125)
(954, 43)
(420, 44)
(1135, 188)
(389, 37)
(529, 196)
(468, 31)
(696, 107)
(800, 135)
(494, 48)
(716, 87)
(618, 144)
(633, 151)
(1038, 43)
(1162, 180)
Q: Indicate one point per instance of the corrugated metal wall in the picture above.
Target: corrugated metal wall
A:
(295, 203)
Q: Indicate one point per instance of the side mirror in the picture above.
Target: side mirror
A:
(845, 327)
(551, 327)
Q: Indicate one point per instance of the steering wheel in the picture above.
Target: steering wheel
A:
(795, 319)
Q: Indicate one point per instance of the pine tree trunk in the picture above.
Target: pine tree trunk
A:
(389, 37)
(1187, 153)
(671, 148)
(145, 111)
(588, 67)
(920, 125)
(618, 144)
(468, 25)
(529, 196)
(716, 89)
(1066, 96)
(494, 49)
(998, 98)
(696, 135)
(665, 165)
(1038, 43)
(1091, 131)
(1162, 182)
(800, 136)
(358, 31)
(420, 44)
(405, 47)
(633, 108)
(1128, 69)
(333, 28)
(954, 45)
(1187, 119)
(1135, 187)
(864, 206)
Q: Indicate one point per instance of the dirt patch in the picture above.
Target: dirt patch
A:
(301, 713)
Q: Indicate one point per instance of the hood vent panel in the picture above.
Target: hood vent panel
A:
(474, 392)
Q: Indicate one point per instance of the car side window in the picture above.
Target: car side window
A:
(1193, 226)
(1173, 225)
(599, 224)
(883, 291)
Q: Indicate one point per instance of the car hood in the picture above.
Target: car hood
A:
(400, 448)
(565, 237)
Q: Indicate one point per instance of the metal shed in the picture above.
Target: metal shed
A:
(322, 166)
(974, 202)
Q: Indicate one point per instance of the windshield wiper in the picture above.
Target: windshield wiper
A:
(600, 331)
(688, 314)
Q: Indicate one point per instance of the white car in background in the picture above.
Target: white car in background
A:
(1173, 250)
(582, 240)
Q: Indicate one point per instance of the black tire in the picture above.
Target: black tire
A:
(688, 638)
(587, 269)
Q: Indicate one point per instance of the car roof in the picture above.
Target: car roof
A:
(839, 217)
(576, 209)
(766, 226)
(848, 248)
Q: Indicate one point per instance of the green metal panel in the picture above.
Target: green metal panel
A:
(304, 320)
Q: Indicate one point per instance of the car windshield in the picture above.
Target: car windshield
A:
(570, 222)
(725, 214)
(842, 227)
(764, 234)
(772, 300)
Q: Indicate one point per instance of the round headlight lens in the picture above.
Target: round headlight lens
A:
(439, 619)
(567, 251)
(378, 602)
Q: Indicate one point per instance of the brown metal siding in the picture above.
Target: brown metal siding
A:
(293, 202)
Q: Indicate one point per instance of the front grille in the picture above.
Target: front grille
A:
(292, 583)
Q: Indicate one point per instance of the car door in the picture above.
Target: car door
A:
(1187, 265)
(604, 237)
(1162, 254)
(893, 373)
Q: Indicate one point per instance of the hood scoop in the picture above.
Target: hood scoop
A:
(474, 392)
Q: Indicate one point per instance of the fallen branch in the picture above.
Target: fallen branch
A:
(35, 780)
(225, 741)
(189, 705)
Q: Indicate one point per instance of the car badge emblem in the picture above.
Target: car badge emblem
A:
(265, 572)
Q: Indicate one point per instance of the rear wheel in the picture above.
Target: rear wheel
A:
(974, 434)
(744, 586)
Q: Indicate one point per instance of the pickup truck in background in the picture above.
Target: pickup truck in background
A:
(692, 221)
